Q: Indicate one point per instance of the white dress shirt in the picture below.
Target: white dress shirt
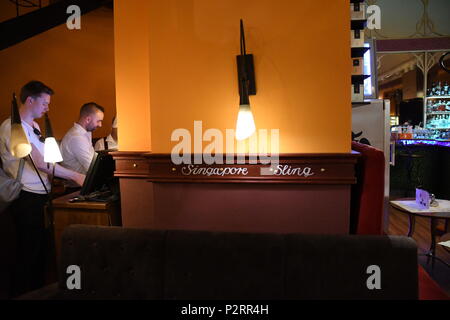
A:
(100, 144)
(77, 150)
(30, 179)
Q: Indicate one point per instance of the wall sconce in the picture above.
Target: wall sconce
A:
(245, 124)
(20, 146)
(52, 154)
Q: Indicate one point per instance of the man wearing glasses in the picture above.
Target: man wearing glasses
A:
(28, 210)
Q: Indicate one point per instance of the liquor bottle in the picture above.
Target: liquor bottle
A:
(438, 89)
(428, 92)
(446, 89)
(436, 105)
(433, 89)
(433, 119)
(429, 106)
(428, 125)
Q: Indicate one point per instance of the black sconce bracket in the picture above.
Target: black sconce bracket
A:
(246, 69)
(246, 72)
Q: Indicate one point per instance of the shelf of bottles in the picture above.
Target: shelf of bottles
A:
(437, 112)
(357, 24)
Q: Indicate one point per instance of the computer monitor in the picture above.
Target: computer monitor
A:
(100, 173)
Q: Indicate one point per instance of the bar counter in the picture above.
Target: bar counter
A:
(424, 142)
(421, 162)
(307, 193)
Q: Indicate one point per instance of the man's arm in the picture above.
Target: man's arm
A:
(59, 170)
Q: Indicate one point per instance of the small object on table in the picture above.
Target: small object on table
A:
(422, 198)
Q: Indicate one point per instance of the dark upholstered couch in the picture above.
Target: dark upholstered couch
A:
(123, 263)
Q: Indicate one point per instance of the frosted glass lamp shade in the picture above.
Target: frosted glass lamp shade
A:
(51, 151)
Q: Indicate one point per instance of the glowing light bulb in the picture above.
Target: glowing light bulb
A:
(245, 124)
(20, 147)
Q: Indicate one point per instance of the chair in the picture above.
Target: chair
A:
(368, 193)
(366, 215)
(413, 166)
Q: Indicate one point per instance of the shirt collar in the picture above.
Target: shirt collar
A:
(28, 125)
(81, 129)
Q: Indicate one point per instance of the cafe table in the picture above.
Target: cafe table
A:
(439, 212)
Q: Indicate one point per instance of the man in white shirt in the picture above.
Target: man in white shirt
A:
(28, 210)
(76, 146)
(109, 142)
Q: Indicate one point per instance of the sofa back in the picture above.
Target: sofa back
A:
(125, 263)
(367, 197)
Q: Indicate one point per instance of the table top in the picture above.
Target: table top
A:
(442, 211)
(63, 202)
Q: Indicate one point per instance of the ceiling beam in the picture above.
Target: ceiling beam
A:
(413, 45)
(23, 27)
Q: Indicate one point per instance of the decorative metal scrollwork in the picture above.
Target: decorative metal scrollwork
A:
(441, 62)
(425, 26)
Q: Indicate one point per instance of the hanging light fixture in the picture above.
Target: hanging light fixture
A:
(52, 154)
(245, 124)
(19, 144)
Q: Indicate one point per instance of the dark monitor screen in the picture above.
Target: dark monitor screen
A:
(100, 173)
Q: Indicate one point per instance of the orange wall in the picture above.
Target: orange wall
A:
(131, 40)
(302, 66)
(78, 65)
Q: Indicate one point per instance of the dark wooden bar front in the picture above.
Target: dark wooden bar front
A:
(308, 193)
(418, 164)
